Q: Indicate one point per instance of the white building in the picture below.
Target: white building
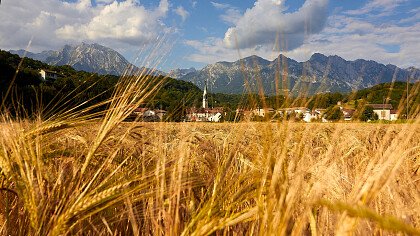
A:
(263, 111)
(394, 115)
(382, 110)
(308, 117)
(205, 113)
(47, 75)
(202, 114)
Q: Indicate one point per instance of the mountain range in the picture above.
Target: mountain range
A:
(93, 58)
(251, 74)
(284, 75)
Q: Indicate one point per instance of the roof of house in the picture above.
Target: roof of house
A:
(141, 109)
(49, 71)
(381, 106)
(394, 111)
(205, 110)
(348, 111)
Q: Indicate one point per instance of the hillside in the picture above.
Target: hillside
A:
(76, 87)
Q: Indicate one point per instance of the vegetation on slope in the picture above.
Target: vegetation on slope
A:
(72, 88)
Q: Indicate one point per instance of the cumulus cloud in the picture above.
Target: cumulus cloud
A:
(344, 39)
(55, 22)
(125, 21)
(180, 11)
(349, 36)
(213, 49)
(267, 23)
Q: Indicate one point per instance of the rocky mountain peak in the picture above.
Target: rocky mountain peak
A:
(320, 73)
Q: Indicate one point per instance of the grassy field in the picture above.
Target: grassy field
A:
(202, 178)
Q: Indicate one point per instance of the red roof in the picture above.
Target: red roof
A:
(141, 109)
(381, 106)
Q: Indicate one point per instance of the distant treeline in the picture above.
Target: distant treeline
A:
(28, 95)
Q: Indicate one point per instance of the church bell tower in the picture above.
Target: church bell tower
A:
(205, 102)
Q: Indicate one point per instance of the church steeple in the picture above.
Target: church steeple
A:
(205, 102)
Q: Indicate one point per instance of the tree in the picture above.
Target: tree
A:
(333, 113)
(368, 114)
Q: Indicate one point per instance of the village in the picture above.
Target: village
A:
(304, 114)
(218, 114)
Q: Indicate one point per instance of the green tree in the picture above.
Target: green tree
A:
(368, 114)
(333, 113)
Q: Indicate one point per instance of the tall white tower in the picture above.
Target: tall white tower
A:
(205, 102)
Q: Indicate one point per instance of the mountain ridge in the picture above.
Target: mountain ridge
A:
(94, 58)
(282, 75)
(253, 74)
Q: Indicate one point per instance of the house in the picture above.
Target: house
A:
(160, 113)
(293, 110)
(347, 113)
(319, 113)
(382, 110)
(300, 110)
(263, 111)
(204, 114)
(309, 116)
(394, 115)
(147, 114)
(48, 75)
(140, 111)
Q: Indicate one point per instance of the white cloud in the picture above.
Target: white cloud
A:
(384, 6)
(267, 22)
(231, 14)
(212, 50)
(349, 36)
(413, 18)
(220, 5)
(263, 30)
(54, 23)
(180, 11)
(355, 39)
(104, 2)
(193, 4)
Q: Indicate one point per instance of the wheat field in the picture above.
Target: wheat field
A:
(201, 178)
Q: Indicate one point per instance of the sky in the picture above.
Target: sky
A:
(194, 33)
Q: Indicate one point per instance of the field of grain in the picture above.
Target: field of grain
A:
(201, 178)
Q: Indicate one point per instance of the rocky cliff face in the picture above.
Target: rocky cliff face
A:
(284, 75)
(179, 73)
(88, 57)
(91, 58)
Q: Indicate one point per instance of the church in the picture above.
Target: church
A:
(204, 113)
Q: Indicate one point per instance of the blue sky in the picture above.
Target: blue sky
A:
(194, 33)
